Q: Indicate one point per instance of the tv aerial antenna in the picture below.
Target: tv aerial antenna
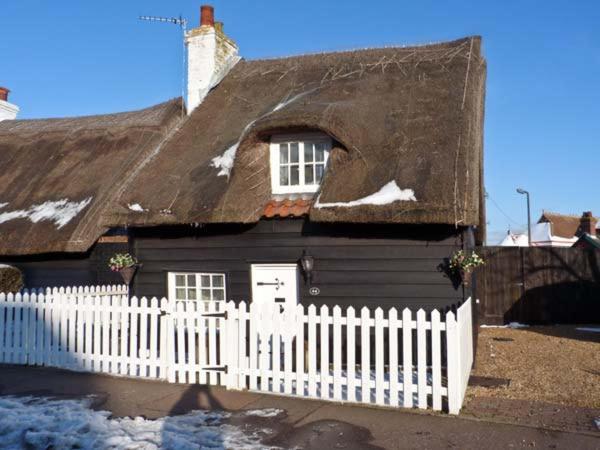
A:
(182, 23)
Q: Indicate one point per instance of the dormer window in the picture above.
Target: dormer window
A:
(298, 162)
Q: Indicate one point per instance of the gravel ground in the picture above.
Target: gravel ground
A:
(555, 364)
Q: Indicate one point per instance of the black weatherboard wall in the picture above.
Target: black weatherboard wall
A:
(69, 269)
(373, 265)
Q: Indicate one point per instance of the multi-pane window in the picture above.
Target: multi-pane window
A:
(197, 286)
(298, 164)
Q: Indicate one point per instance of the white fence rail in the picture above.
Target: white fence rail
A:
(100, 290)
(392, 358)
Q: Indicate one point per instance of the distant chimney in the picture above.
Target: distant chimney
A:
(4, 93)
(588, 223)
(8, 111)
(207, 15)
(211, 54)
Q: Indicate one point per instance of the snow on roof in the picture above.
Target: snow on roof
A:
(389, 193)
(136, 207)
(60, 212)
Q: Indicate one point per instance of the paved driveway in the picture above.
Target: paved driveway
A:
(306, 423)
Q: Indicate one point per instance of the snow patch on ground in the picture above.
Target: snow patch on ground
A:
(590, 329)
(60, 212)
(510, 325)
(30, 422)
(2, 205)
(136, 207)
(387, 194)
(268, 412)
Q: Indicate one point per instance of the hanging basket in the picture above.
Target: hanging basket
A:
(466, 276)
(127, 273)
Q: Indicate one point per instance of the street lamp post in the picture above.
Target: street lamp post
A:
(523, 191)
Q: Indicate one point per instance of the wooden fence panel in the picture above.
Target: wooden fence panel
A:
(538, 285)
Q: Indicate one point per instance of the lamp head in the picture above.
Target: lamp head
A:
(308, 263)
(522, 191)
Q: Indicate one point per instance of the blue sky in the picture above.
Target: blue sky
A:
(542, 124)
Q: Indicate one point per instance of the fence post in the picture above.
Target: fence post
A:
(167, 351)
(232, 357)
(453, 363)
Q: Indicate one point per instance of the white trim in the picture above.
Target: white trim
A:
(171, 284)
(300, 138)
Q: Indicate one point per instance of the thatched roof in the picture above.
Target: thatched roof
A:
(413, 115)
(59, 175)
(410, 118)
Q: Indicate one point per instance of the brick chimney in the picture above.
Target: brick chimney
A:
(211, 54)
(8, 111)
(588, 223)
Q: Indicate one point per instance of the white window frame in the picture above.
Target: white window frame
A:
(300, 138)
(172, 286)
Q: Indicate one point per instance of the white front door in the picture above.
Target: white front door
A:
(275, 284)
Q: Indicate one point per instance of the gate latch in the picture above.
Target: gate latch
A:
(216, 369)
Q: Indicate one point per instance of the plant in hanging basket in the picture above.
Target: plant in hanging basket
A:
(125, 264)
(464, 263)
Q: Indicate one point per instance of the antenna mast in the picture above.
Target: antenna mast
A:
(183, 25)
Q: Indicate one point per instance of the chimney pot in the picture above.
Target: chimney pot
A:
(588, 223)
(207, 16)
(4, 94)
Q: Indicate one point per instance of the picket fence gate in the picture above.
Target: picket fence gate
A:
(393, 358)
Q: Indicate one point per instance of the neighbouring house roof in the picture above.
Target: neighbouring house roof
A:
(563, 225)
(542, 235)
(407, 125)
(587, 241)
(514, 240)
(60, 175)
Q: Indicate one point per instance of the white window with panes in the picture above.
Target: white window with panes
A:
(197, 286)
(298, 162)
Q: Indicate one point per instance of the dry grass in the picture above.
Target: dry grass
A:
(554, 364)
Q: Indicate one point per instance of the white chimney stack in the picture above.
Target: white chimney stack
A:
(211, 55)
(8, 111)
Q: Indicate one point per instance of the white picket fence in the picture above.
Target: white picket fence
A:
(385, 358)
(388, 359)
(99, 290)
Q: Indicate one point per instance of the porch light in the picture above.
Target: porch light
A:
(308, 264)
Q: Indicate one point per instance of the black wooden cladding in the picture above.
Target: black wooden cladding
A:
(358, 265)
(69, 269)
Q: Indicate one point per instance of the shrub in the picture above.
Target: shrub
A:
(11, 279)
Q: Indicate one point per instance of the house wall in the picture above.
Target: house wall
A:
(69, 269)
(392, 265)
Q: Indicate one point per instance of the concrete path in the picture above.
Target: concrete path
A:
(308, 424)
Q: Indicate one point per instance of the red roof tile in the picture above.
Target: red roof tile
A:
(287, 208)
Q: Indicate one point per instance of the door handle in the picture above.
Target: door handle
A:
(277, 283)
